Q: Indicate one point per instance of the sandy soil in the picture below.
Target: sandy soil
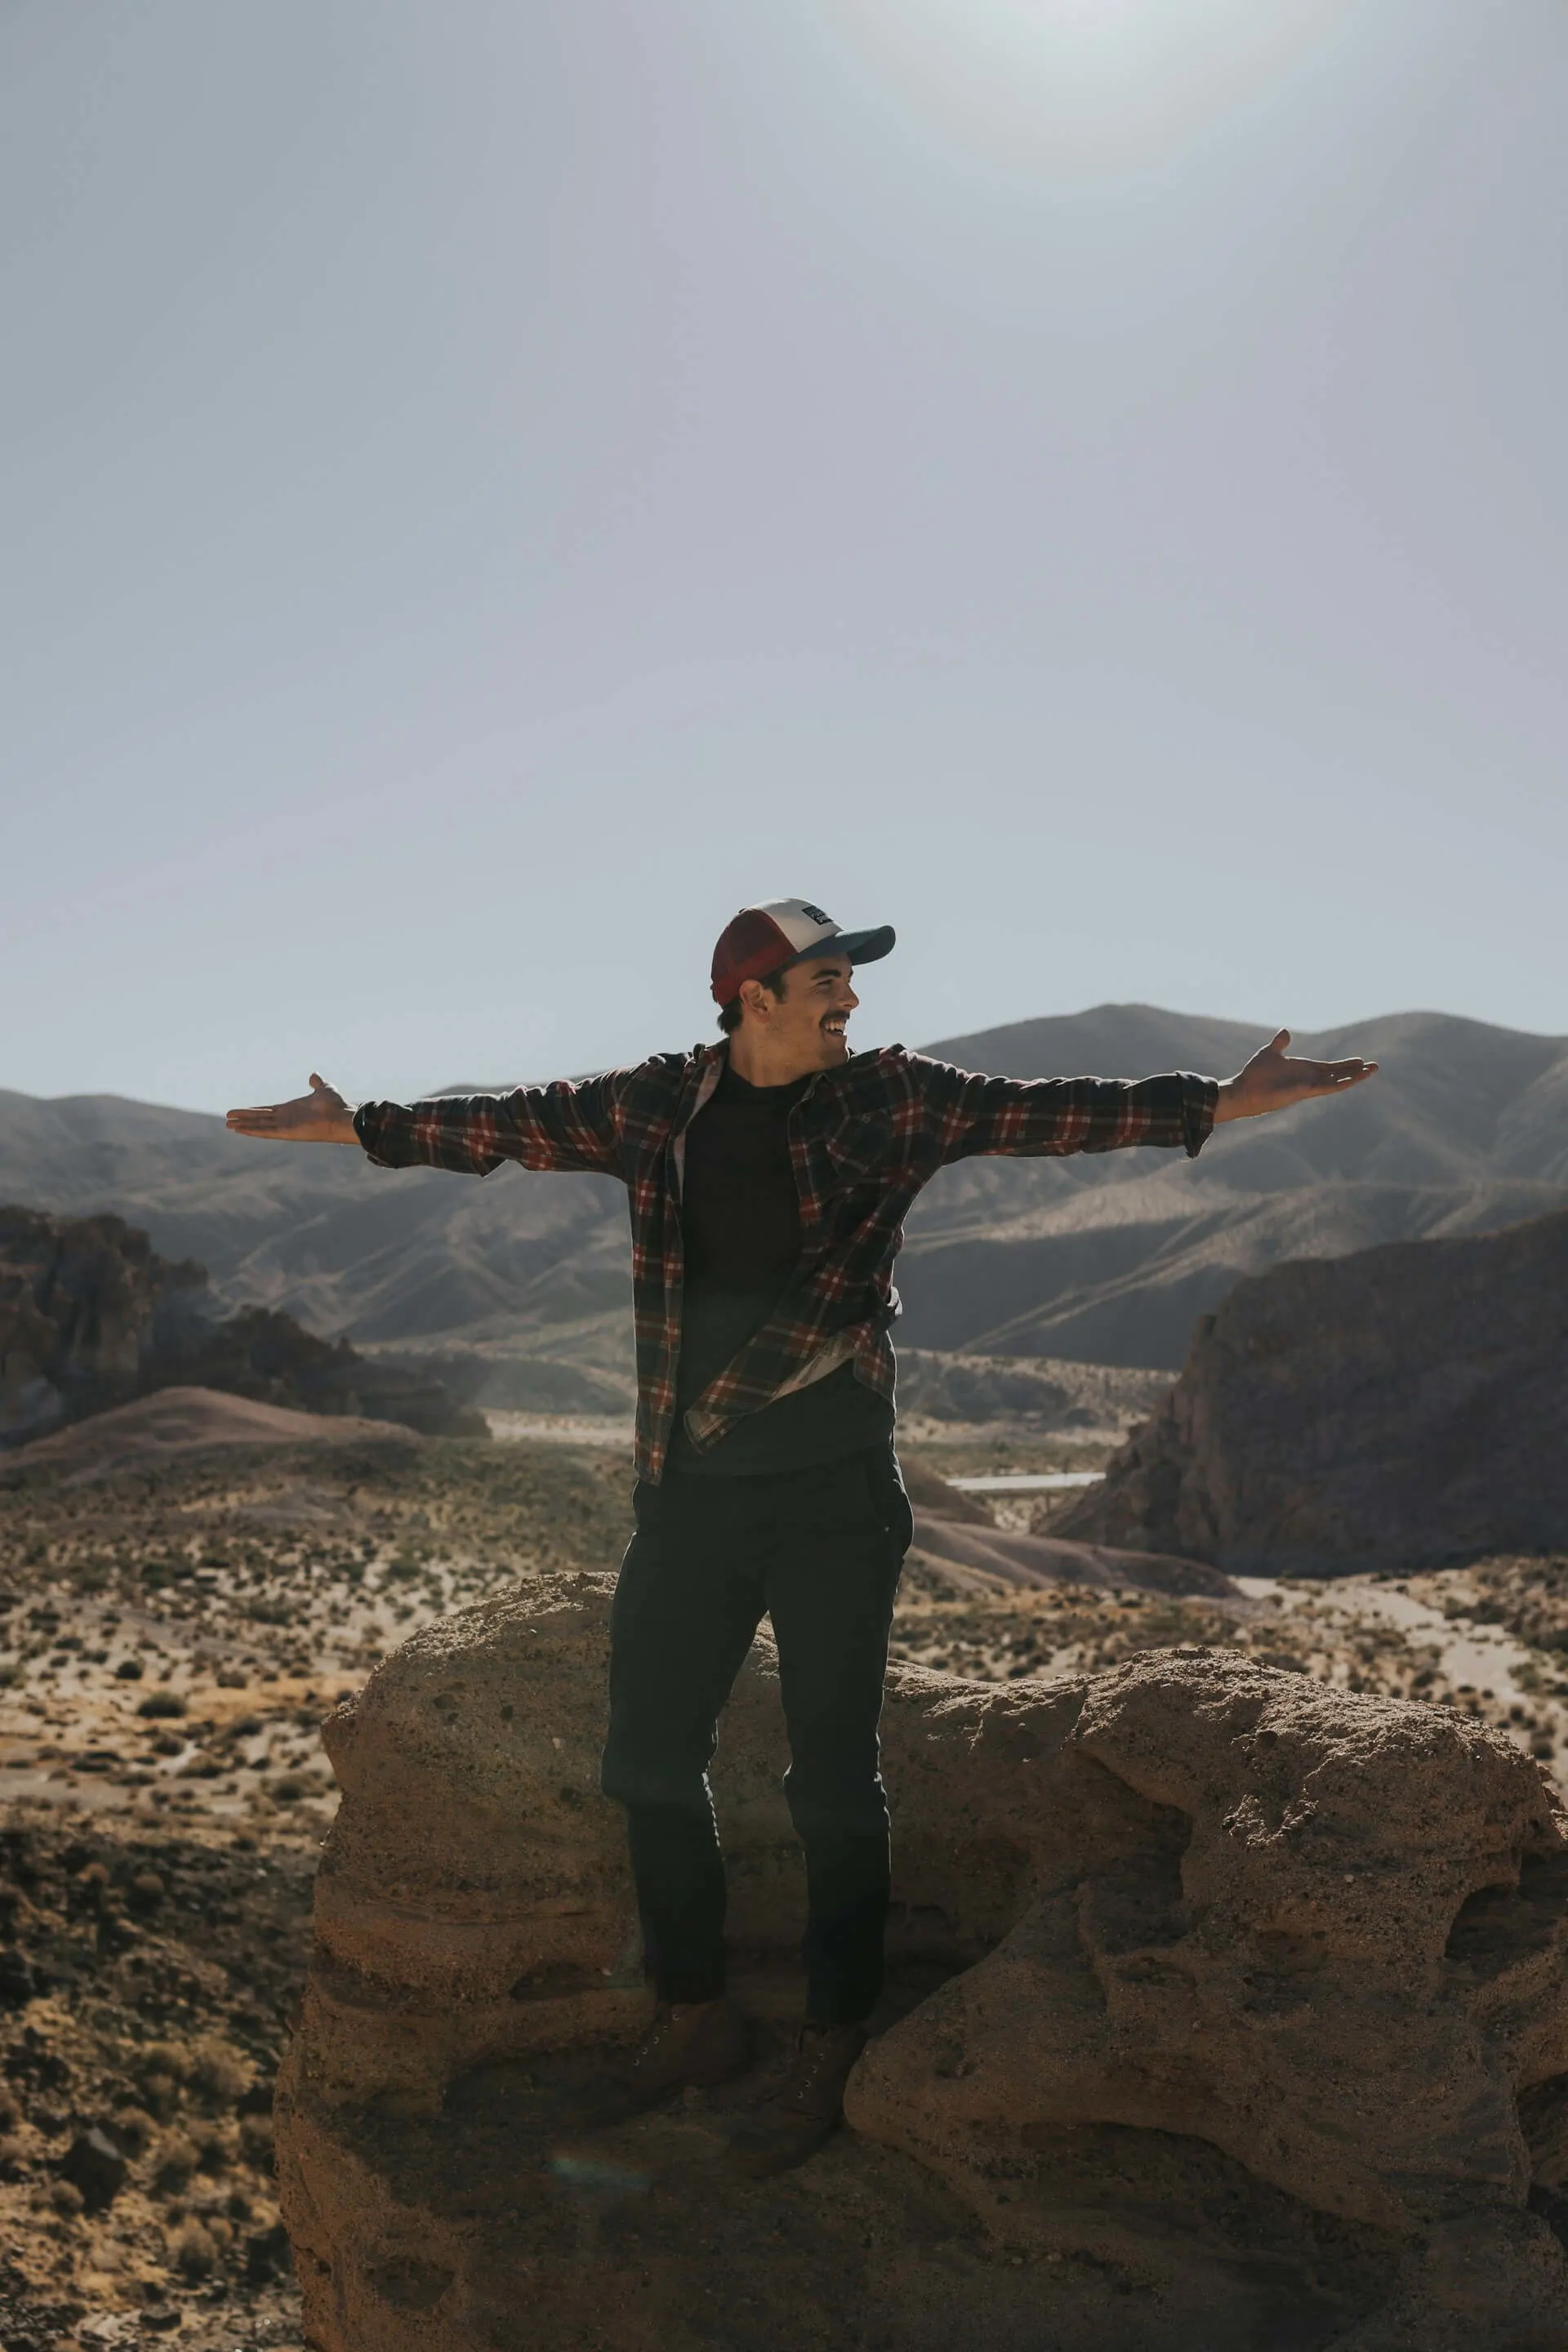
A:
(176, 1617)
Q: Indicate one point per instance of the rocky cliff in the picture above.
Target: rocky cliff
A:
(1228, 2015)
(1402, 1407)
(90, 1317)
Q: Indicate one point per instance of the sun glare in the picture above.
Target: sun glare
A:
(1081, 84)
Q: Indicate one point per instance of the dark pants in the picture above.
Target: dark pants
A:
(820, 1551)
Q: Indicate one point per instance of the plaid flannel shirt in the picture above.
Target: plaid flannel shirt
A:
(864, 1138)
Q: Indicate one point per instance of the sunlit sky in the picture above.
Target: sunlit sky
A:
(491, 489)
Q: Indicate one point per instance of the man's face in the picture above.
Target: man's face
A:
(811, 1016)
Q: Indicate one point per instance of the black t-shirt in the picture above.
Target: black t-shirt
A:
(740, 1229)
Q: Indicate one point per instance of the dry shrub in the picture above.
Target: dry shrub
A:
(161, 1704)
(12, 2157)
(256, 2139)
(217, 2073)
(10, 2113)
(213, 2146)
(162, 2092)
(159, 2075)
(177, 2160)
(167, 2058)
(192, 2253)
(133, 2128)
(67, 2200)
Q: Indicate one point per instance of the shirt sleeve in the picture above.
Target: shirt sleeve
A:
(1040, 1117)
(564, 1126)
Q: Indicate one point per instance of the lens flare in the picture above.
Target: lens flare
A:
(1079, 85)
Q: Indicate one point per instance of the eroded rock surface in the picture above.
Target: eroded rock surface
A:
(1399, 1408)
(1217, 1996)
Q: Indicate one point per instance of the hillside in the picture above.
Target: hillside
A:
(1105, 1261)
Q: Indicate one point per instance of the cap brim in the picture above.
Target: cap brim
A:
(860, 947)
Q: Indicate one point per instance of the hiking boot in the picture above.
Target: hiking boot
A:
(690, 2045)
(805, 2108)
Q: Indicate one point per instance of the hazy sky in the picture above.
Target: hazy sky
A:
(490, 486)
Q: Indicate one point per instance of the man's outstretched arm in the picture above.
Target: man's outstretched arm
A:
(559, 1126)
(971, 1115)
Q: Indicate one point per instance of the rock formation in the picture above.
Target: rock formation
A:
(1403, 1407)
(91, 1317)
(1228, 2014)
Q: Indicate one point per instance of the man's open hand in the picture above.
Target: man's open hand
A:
(1272, 1082)
(320, 1116)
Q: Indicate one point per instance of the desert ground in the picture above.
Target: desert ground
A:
(184, 1599)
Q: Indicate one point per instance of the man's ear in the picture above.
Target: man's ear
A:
(755, 998)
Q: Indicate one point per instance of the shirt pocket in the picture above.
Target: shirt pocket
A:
(862, 1150)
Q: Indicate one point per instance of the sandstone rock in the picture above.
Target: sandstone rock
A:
(1405, 1406)
(1224, 1983)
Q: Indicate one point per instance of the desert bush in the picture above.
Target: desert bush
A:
(214, 2148)
(177, 2160)
(218, 2073)
(161, 1704)
(167, 2058)
(133, 2128)
(192, 2253)
(160, 2074)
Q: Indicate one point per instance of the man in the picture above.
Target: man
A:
(769, 1178)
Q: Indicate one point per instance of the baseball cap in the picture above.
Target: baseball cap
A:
(761, 940)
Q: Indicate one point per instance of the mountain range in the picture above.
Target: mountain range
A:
(1099, 1260)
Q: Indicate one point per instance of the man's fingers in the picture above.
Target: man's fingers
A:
(1277, 1043)
(274, 1119)
(1332, 1077)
